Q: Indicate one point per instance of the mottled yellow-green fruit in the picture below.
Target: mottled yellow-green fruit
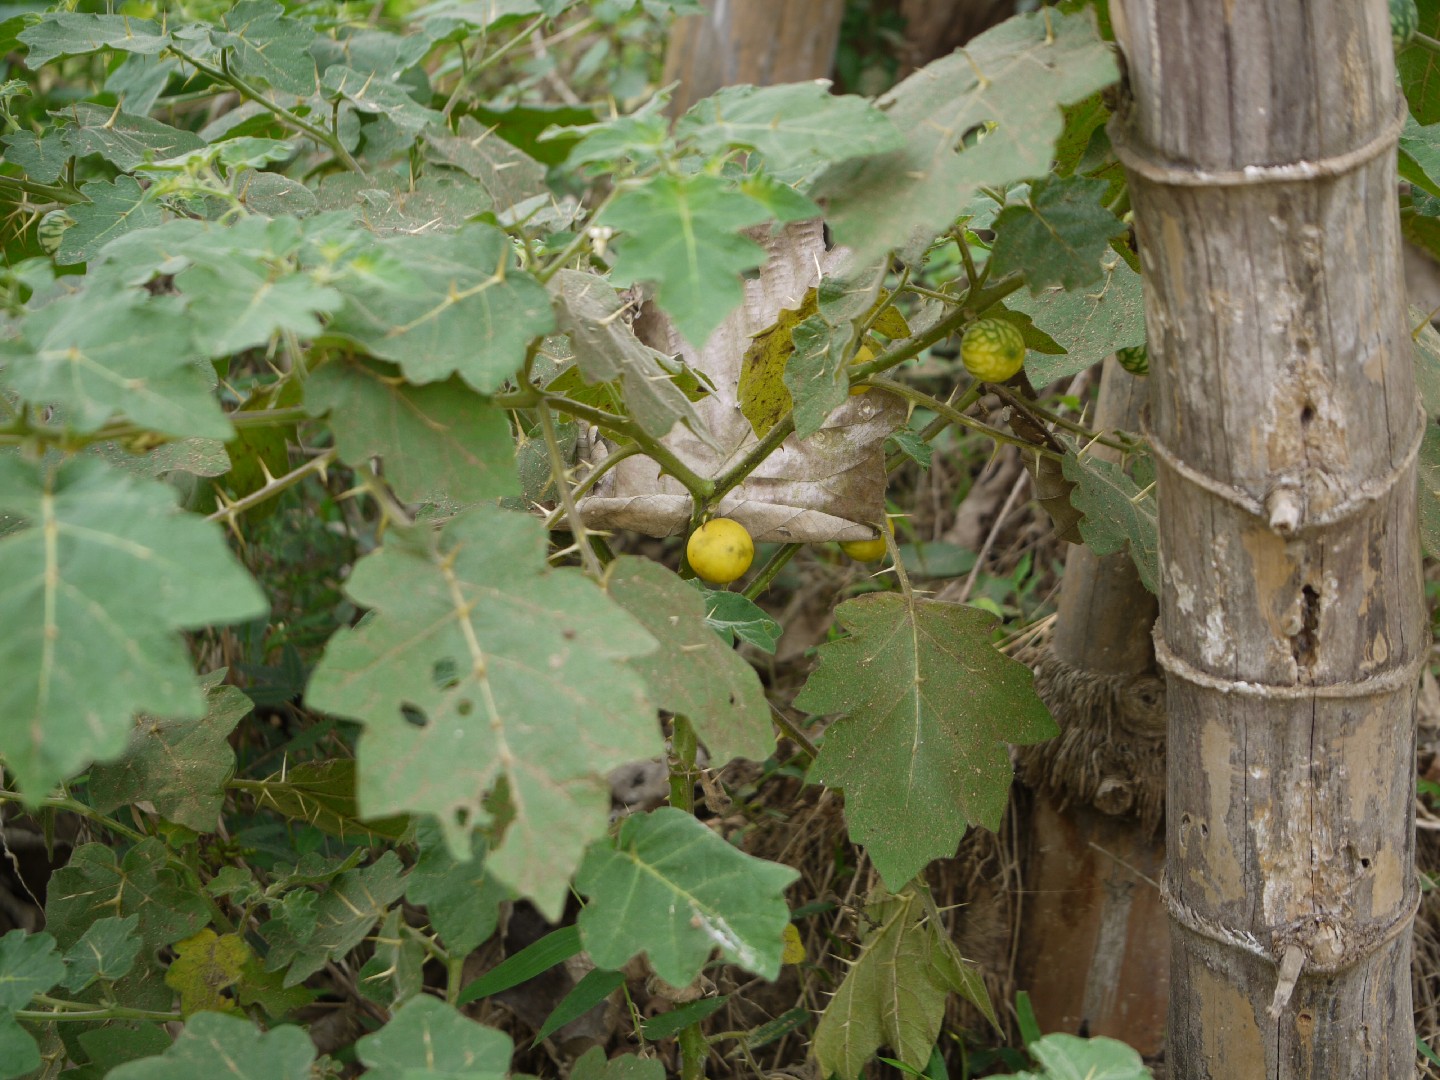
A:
(992, 350)
(866, 550)
(1135, 359)
(720, 551)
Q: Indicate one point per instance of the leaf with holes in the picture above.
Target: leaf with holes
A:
(988, 114)
(95, 593)
(929, 708)
(673, 889)
(796, 126)
(482, 671)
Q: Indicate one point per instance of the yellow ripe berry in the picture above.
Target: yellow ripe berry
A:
(992, 350)
(720, 551)
(867, 550)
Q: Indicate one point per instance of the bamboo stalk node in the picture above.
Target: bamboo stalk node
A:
(1327, 946)
(1284, 506)
(1170, 174)
(1401, 677)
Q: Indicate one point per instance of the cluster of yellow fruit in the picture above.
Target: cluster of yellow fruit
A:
(721, 550)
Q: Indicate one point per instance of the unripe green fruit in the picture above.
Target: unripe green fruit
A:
(992, 350)
(1404, 21)
(1135, 359)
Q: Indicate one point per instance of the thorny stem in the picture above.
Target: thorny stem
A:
(592, 477)
(940, 423)
(54, 192)
(284, 115)
(22, 430)
(579, 240)
(683, 773)
(231, 511)
(567, 498)
(783, 554)
(82, 1012)
(952, 415)
(698, 486)
(471, 73)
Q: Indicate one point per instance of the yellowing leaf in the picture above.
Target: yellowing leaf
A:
(763, 397)
(794, 949)
(205, 966)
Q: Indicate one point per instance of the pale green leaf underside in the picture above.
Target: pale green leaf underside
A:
(479, 667)
(212, 1042)
(95, 593)
(428, 1036)
(672, 888)
(440, 439)
(693, 673)
(1008, 84)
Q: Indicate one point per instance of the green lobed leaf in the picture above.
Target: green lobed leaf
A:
(1090, 323)
(106, 951)
(115, 1044)
(371, 93)
(592, 1065)
(247, 1052)
(94, 603)
(41, 155)
(263, 44)
(19, 1055)
(443, 305)
(322, 794)
(683, 234)
(693, 673)
(1118, 513)
(507, 174)
(480, 669)
(395, 972)
(894, 995)
(1069, 1057)
(928, 709)
(29, 965)
(607, 350)
(93, 885)
(109, 352)
(670, 887)
(1057, 235)
(440, 439)
(1430, 489)
(796, 126)
(205, 966)
(986, 115)
(734, 615)
(1420, 155)
(344, 914)
(124, 140)
(179, 766)
(461, 896)
(114, 209)
(389, 204)
(70, 33)
(425, 1036)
